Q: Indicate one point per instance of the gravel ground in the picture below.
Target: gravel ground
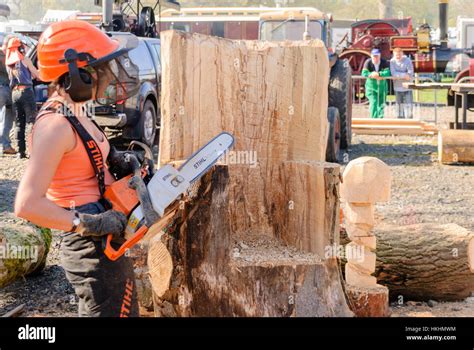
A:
(422, 191)
(49, 293)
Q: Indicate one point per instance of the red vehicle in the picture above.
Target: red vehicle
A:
(374, 33)
(388, 34)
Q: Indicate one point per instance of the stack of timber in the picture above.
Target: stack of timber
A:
(368, 126)
(251, 237)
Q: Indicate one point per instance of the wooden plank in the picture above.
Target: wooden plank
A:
(397, 126)
(15, 312)
(438, 86)
(392, 132)
(356, 121)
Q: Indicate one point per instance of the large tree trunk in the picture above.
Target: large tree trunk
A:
(251, 240)
(426, 261)
(218, 273)
(23, 250)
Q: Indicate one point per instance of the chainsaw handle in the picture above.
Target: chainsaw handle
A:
(113, 254)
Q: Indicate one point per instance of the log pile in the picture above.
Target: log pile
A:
(251, 238)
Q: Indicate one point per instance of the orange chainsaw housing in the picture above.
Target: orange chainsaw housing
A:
(121, 196)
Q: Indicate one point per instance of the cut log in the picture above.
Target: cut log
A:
(357, 213)
(456, 146)
(218, 273)
(356, 277)
(23, 250)
(361, 258)
(301, 221)
(160, 265)
(368, 301)
(250, 240)
(369, 241)
(359, 230)
(426, 261)
(272, 96)
(366, 180)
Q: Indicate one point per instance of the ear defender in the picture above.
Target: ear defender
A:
(78, 83)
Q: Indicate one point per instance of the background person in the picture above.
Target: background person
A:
(375, 69)
(21, 72)
(6, 112)
(401, 67)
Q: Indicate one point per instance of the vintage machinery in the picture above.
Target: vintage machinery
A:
(132, 15)
(427, 57)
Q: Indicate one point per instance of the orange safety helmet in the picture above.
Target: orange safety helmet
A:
(13, 53)
(14, 43)
(80, 36)
(66, 48)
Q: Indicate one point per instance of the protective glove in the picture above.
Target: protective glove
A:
(97, 225)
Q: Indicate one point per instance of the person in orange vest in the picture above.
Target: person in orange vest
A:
(64, 183)
(21, 72)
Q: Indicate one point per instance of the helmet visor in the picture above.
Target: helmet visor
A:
(117, 80)
(117, 74)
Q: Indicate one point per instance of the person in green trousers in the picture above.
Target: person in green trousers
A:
(376, 87)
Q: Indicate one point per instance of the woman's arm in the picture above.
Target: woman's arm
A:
(52, 138)
(32, 68)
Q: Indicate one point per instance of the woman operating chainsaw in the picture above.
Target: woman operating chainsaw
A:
(67, 173)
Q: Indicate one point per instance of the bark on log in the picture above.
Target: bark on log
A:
(368, 301)
(426, 261)
(23, 251)
(252, 239)
(456, 146)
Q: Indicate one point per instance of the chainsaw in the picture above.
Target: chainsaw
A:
(143, 196)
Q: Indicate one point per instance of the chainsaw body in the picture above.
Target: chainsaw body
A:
(143, 196)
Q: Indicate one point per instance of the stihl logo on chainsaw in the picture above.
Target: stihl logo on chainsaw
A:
(199, 163)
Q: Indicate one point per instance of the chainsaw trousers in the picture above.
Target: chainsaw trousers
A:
(104, 288)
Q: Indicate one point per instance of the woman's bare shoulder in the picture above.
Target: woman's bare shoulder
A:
(54, 130)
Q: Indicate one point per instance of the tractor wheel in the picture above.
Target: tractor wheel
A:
(334, 137)
(340, 96)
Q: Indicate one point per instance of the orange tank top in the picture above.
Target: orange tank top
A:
(74, 183)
